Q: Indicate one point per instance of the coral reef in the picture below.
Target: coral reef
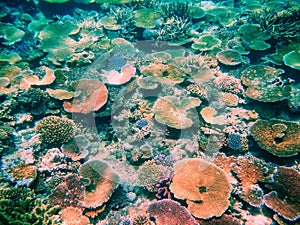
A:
(144, 112)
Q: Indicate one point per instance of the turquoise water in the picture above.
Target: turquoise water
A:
(149, 112)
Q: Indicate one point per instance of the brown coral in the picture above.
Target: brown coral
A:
(279, 137)
(103, 182)
(70, 192)
(93, 95)
(167, 74)
(249, 171)
(170, 212)
(204, 186)
(284, 199)
(223, 220)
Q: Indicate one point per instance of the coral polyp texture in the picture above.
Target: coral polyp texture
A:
(279, 137)
(204, 186)
(144, 112)
(54, 129)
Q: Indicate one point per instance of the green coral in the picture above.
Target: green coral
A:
(280, 22)
(264, 83)
(54, 129)
(18, 206)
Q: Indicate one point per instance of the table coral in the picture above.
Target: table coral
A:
(229, 57)
(173, 111)
(115, 78)
(204, 186)
(93, 96)
(284, 142)
(103, 182)
(285, 194)
(170, 212)
(264, 83)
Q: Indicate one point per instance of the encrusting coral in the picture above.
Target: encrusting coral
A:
(170, 212)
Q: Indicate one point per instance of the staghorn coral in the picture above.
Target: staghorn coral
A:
(204, 186)
(170, 212)
(177, 30)
(281, 22)
(124, 17)
(54, 129)
(279, 137)
(176, 9)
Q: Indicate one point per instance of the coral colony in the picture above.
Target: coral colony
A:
(149, 112)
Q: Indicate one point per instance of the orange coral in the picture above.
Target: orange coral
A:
(204, 186)
(279, 137)
(115, 78)
(70, 192)
(229, 57)
(103, 182)
(73, 216)
(30, 80)
(248, 171)
(170, 212)
(173, 111)
(93, 96)
(24, 173)
(223, 220)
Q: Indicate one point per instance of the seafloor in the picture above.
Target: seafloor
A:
(149, 112)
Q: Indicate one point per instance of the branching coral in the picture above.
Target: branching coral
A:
(54, 129)
(281, 23)
(176, 9)
(176, 30)
(125, 18)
